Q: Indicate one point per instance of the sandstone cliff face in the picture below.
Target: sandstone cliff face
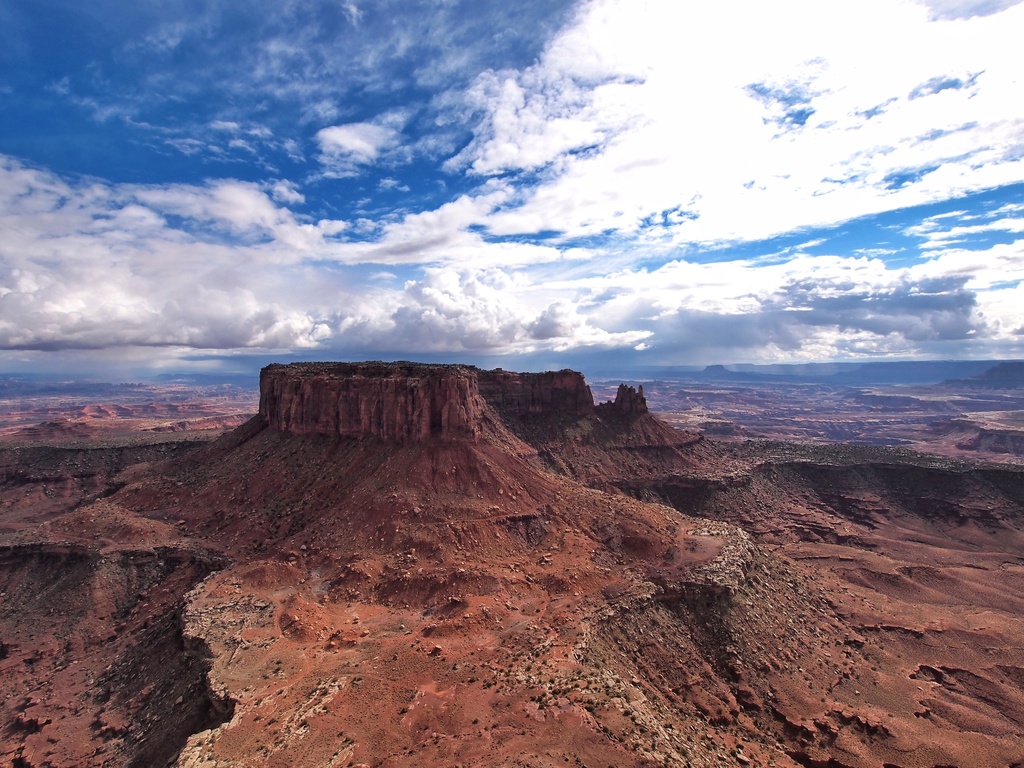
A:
(403, 402)
(396, 402)
(552, 393)
(629, 401)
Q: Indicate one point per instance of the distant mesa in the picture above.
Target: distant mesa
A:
(1008, 441)
(1002, 376)
(64, 429)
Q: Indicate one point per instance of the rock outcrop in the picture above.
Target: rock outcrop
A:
(396, 402)
(994, 441)
(550, 394)
(629, 401)
(403, 402)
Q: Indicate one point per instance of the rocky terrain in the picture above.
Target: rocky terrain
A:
(982, 417)
(57, 412)
(405, 565)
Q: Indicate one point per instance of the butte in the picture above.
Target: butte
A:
(435, 565)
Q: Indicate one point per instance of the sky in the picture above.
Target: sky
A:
(212, 185)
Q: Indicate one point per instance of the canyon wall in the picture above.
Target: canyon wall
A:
(403, 402)
(396, 402)
(552, 393)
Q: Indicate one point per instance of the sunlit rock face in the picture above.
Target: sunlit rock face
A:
(395, 402)
(410, 402)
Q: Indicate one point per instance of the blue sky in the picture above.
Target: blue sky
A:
(212, 185)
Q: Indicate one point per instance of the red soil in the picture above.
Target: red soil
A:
(589, 590)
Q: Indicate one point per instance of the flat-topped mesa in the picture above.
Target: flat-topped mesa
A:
(629, 401)
(396, 402)
(551, 393)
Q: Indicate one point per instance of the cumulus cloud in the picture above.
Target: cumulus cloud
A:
(241, 210)
(95, 266)
(681, 108)
(223, 266)
(286, 192)
(473, 311)
(227, 265)
(802, 307)
(446, 306)
(618, 182)
(355, 143)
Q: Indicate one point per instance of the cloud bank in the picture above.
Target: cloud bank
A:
(681, 182)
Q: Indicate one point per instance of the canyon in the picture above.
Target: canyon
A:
(395, 564)
(893, 404)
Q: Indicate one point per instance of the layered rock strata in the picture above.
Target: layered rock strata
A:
(409, 402)
(629, 401)
(549, 394)
(396, 402)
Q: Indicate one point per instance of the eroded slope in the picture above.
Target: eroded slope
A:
(442, 566)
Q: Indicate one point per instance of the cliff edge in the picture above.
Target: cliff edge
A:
(396, 402)
(411, 402)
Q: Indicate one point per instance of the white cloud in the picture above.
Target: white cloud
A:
(941, 232)
(491, 311)
(343, 148)
(222, 266)
(645, 130)
(800, 308)
(95, 266)
(390, 183)
(241, 208)
(965, 9)
(528, 125)
(166, 37)
(353, 12)
(750, 120)
(362, 142)
(231, 141)
(286, 192)
(444, 236)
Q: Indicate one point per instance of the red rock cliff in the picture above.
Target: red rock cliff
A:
(397, 402)
(628, 402)
(551, 393)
